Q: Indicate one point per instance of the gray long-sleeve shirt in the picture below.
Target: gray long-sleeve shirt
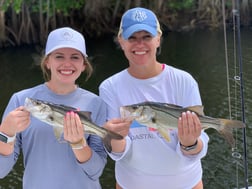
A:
(47, 162)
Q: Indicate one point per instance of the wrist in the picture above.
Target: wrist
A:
(79, 145)
(190, 147)
(7, 138)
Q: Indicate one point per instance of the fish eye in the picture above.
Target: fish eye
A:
(51, 118)
(153, 120)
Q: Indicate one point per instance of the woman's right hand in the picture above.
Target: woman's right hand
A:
(120, 126)
(16, 121)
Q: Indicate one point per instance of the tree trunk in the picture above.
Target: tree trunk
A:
(2, 28)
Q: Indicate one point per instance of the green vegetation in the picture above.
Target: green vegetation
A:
(29, 21)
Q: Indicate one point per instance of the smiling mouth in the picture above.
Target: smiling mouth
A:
(139, 52)
(68, 72)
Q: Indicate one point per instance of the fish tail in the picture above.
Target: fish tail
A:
(108, 137)
(227, 127)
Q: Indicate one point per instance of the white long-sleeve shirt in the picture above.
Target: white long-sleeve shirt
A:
(149, 161)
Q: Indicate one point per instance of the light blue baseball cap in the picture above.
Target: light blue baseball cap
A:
(139, 19)
(65, 37)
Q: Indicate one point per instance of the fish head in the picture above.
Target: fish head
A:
(38, 108)
(139, 112)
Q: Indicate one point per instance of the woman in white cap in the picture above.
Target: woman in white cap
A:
(144, 159)
(77, 163)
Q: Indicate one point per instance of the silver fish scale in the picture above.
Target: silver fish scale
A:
(175, 112)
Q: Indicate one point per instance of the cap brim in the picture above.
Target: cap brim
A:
(139, 27)
(66, 46)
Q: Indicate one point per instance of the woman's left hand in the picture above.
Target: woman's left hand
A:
(189, 128)
(73, 128)
(74, 134)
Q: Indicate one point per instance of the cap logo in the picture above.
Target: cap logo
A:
(67, 36)
(139, 16)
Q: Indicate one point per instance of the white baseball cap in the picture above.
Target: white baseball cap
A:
(65, 38)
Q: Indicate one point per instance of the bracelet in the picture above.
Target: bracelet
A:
(7, 139)
(188, 148)
(79, 145)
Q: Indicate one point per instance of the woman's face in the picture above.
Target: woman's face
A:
(140, 48)
(66, 65)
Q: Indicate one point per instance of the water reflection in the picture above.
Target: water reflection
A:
(199, 53)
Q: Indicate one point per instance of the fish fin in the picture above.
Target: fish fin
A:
(165, 133)
(86, 114)
(197, 109)
(170, 105)
(227, 127)
(57, 132)
(69, 108)
(108, 137)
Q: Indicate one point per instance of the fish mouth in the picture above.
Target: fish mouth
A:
(124, 112)
(127, 114)
(28, 104)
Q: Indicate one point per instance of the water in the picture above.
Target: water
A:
(201, 54)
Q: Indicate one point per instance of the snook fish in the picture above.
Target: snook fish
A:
(163, 116)
(53, 114)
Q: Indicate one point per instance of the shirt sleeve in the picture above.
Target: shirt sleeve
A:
(119, 156)
(188, 94)
(106, 93)
(204, 137)
(7, 162)
(95, 165)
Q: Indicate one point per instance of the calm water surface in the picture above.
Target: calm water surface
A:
(201, 54)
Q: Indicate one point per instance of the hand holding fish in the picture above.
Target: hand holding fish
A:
(73, 128)
(74, 134)
(120, 126)
(16, 121)
(189, 129)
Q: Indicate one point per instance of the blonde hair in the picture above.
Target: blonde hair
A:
(47, 72)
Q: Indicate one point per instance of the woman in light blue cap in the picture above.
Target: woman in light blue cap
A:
(77, 163)
(145, 160)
